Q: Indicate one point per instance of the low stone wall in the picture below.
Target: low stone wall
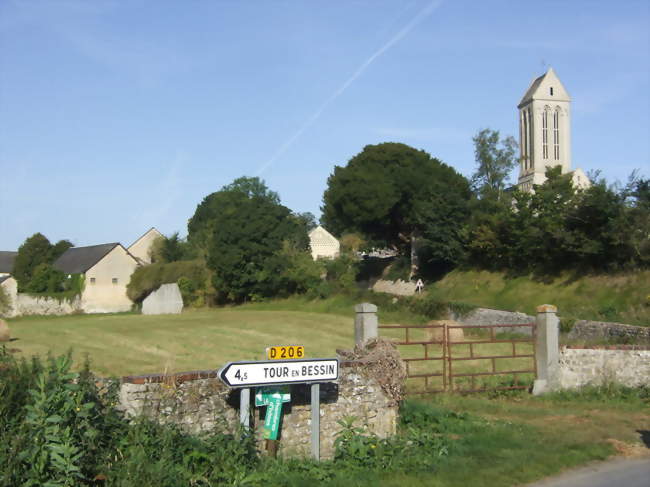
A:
(589, 330)
(26, 304)
(628, 366)
(200, 402)
(486, 316)
(399, 287)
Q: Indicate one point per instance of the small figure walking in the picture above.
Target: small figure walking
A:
(419, 286)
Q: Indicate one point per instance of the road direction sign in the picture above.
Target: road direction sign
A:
(276, 372)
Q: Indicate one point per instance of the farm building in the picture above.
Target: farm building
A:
(107, 269)
(142, 247)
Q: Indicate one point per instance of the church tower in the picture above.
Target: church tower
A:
(544, 130)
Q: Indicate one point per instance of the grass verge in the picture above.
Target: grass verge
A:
(623, 298)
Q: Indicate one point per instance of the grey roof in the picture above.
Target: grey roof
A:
(77, 260)
(7, 261)
(532, 89)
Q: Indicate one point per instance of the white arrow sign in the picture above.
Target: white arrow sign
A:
(249, 374)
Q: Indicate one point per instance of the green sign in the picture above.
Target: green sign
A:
(272, 420)
(272, 398)
(264, 395)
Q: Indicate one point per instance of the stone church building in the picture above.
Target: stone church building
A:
(545, 132)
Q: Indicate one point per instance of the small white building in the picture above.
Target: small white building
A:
(545, 133)
(323, 244)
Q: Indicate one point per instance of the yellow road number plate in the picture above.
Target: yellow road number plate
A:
(287, 352)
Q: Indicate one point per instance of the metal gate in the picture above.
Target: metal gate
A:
(479, 358)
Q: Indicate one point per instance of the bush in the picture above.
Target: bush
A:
(192, 275)
(46, 279)
(4, 301)
(429, 306)
(301, 273)
(56, 430)
(399, 269)
(342, 273)
(567, 324)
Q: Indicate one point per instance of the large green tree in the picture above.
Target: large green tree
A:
(35, 251)
(495, 160)
(243, 230)
(401, 197)
(201, 226)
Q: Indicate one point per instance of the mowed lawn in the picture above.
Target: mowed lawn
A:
(131, 344)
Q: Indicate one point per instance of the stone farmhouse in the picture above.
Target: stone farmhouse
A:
(545, 133)
(323, 244)
(106, 269)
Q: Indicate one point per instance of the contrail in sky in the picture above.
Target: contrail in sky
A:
(316, 115)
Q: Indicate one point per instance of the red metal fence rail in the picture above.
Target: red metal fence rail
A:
(453, 379)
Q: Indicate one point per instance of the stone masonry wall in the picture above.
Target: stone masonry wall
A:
(199, 402)
(399, 287)
(25, 304)
(486, 316)
(586, 330)
(581, 366)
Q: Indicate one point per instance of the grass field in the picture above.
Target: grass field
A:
(129, 344)
(132, 344)
(624, 298)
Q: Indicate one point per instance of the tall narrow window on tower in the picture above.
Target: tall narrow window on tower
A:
(556, 134)
(545, 133)
(524, 115)
(522, 150)
(551, 91)
(531, 145)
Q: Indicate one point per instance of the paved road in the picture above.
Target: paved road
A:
(620, 472)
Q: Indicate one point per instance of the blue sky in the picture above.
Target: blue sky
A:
(116, 116)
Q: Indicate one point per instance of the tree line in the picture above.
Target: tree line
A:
(244, 244)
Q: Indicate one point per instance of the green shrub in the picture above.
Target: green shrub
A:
(149, 278)
(342, 273)
(429, 306)
(400, 268)
(46, 279)
(53, 427)
(4, 301)
(567, 324)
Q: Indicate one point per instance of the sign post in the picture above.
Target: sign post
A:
(272, 398)
(244, 408)
(266, 375)
(315, 421)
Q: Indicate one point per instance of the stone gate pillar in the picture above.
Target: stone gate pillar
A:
(546, 349)
(365, 322)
